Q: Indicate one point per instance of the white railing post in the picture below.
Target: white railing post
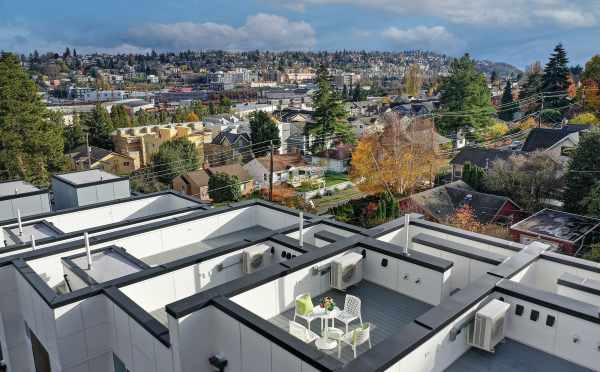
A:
(19, 222)
(87, 250)
(407, 239)
(33, 242)
(301, 229)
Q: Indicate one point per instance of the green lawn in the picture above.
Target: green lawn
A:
(332, 178)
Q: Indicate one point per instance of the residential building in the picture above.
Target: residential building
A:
(558, 143)
(478, 156)
(348, 79)
(20, 197)
(291, 169)
(93, 157)
(244, 110)
(196, 183)
(336, 159)
(104, 95)
(239, 143)
(440, 203)
(564, 231)
(141, 143)
(217, 290)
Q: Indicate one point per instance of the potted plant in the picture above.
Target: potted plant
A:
(327, 303)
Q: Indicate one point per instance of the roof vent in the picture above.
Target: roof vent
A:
(468, 197)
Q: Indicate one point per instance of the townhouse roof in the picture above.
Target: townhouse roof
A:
(230, 137)
(555, 224)
(202, 176)
(15, 188)
(543, 138)
(480, 157)
(96, 154)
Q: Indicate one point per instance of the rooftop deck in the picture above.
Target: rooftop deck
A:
(512, 356)
(205, 245)
(386, 310)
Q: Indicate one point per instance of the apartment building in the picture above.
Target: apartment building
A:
(227, 289)
(141, 143)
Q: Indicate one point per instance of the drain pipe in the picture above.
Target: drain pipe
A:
(19, 222)
(87, 250)
(301, 229)
(407, 239)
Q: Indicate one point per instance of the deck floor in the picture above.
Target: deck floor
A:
(386, 310)
(203, 246)
(512, 356)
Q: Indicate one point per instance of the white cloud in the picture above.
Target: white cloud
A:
(570, 13)
(422, 37)
(261, 31)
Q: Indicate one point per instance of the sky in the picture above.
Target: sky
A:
(513, 31)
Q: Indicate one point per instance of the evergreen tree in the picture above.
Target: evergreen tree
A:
(532, 88)
(556, 78)
(224, 188)
(262, 129)
(120, 117)
(509, 108)
(329, 111)
(583, 171)
(74, 134)
(31, 137)
(174, 158)
(465, 90)
(100, 128)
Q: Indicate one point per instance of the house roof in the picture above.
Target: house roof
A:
(543, 138)
(480, 156)
(96, 153)
(232, 170)
(557, 225)
(442, 201)
(282, 162)
(229, 136)
(198, 178)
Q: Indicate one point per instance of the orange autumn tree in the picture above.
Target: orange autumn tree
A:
(397, 160)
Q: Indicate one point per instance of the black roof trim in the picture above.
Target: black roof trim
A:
(515, 247)
(59, 178)
(517, 262)
(385, 354)
(292, 243)
(571, 261)
(202, 299)
(457, 248)
(305, 352)
(25, 194)
(137, 313)
(567, 305)
(414, 257)
(328, 236)
(99, 205)
(38, 284)
(393, 225)
(587, 285)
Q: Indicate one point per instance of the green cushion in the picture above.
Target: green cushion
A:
(304, 305)
(358, 332)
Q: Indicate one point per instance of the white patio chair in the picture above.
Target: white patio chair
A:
(355, 338)
(307, 315)
(299, 331)
(351, 311)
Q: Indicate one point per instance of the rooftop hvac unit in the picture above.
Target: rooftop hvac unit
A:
(253, 258)
(346, 271)
(487, 329)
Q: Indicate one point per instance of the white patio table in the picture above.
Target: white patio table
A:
(326, 343)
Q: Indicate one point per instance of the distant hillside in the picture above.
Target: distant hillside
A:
(501, 68)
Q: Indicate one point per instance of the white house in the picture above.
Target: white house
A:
(286, 168)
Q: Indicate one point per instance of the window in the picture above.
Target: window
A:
(519, 310)
(119, 365)
(550, 321)
(125, 163)
(265, 177)
(41, 359)
(534, 315)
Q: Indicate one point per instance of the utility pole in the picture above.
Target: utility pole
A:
(89, 150)
(271, 173)
(541, 112)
